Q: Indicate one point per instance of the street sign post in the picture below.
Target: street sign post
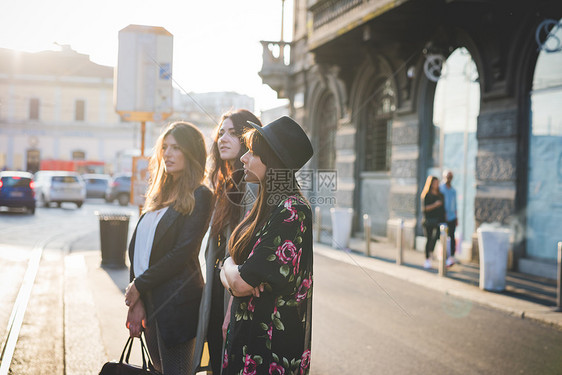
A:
(143, 86)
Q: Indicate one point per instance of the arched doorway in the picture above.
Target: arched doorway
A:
(33, 160)
(455, 113)
(544, 190)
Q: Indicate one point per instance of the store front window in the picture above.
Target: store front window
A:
(378, 130)
(544, 193)
(455, 112)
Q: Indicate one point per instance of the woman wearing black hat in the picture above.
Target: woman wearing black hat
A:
(269, 272)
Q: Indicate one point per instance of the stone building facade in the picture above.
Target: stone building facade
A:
(58, 105)
(373, 83)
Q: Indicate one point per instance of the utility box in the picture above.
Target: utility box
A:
(342, 219)
(493, 244)
(143, 77)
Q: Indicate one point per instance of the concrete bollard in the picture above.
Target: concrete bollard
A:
(400, 241)
(318, 215)
(367, 230)
(443, 238)
(559, 281)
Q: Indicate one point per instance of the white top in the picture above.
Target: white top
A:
(144, 239)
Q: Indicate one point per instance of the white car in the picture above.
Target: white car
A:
(59, 187)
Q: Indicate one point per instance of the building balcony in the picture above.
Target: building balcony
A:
(332, 18)
(275, 68)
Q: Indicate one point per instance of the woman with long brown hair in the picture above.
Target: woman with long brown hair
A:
(434, 215)
(269, 273)
(232, 198)
(166, 280)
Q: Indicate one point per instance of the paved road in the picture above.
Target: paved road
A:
(370, 323)
(365, 322)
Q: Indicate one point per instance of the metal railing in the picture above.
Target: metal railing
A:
(329, 10)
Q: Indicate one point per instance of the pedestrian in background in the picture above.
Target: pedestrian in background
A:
(232, 199)
(269, 272)
(450, 195)
(166, 280)
(434, 215)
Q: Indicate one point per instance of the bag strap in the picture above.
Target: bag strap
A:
(127, 350)
(144, 350)
(126, 354)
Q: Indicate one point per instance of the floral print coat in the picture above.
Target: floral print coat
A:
(271, 334)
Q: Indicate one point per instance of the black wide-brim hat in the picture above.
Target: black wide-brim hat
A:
(288, 140)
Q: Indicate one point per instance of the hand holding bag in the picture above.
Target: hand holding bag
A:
(125, 368)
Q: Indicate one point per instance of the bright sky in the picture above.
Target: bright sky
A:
(216, 42)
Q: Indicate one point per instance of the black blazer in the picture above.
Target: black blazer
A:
(174, 277)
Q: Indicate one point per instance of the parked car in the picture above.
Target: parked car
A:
(96, 184)
(59, 187)
(17, 190)
(119, 188)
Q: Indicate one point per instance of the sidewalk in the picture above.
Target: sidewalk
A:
(95, 311)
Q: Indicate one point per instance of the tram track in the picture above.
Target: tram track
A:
(24, 295)
(20, 306)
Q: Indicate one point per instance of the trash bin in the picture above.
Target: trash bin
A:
(114, 230)
(493, 246)
(341, 227)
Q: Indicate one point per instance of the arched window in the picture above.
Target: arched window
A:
(455, 112)
(378, 129)
(544, 192)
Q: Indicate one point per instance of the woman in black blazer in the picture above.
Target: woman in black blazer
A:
(166, 280)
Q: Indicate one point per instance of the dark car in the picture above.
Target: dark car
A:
(17, 190)
(96, 185)
(119, 188)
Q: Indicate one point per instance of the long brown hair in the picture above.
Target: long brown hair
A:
(427, 186)
(225, 177)
(271, 192)
(163, 189)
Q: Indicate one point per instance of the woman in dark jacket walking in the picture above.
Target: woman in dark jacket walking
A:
(434, 214)
(166, 280)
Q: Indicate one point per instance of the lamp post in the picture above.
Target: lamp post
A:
(282, 17)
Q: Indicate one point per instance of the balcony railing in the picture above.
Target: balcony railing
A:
(275, 67)
(327, 11)
(332, 18)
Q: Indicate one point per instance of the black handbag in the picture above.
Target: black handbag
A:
(123, 367)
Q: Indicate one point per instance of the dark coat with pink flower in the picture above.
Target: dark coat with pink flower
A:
(272, 334)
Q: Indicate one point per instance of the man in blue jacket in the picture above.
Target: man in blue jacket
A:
(450, 210)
